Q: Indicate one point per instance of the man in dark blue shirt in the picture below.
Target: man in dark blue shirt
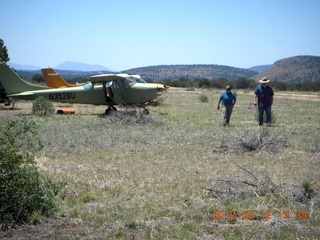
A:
(228, 100)
(264, 93)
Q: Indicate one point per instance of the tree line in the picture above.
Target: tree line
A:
(240, 83)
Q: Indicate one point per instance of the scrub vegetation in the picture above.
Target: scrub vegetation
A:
(25, 194)
(178, 173)
(42, 107)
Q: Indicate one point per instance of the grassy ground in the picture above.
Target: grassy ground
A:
(179, 174)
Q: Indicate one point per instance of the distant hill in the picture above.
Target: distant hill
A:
(76, 66)
(23, 67)
(175, 72)
(296, 69)
(260, 68)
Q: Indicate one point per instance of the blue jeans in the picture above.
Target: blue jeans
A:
(268, 114)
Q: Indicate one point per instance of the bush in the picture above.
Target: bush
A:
(265, 140)
(190, 89)
(42, 107)
(23, 191)
(203, 98)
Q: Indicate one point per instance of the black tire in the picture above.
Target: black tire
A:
(108, 111)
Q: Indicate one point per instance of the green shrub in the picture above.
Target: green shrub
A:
(190, 89)
(42, 107)
(23, 191)
(307, 186)
(203, 98)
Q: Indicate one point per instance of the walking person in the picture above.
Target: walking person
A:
(264, 93)
(228, 100)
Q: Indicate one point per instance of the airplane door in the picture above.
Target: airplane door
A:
(108, 92)
(117, 93)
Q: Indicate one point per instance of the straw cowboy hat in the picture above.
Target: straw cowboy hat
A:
(264, 80)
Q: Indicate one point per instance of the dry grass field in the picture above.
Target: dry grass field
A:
(178, 173)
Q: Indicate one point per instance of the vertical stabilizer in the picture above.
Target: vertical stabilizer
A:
(53, 79)
(13, 83)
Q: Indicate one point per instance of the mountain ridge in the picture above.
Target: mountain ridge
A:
(297, 69)
(69, 66)
(77, 66)
(195, 71)
(260, 68)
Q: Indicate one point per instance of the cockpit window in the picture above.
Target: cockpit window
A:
(128, 82)
(87, 86)
(115, 85)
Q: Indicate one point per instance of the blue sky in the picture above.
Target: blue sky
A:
(124, 34)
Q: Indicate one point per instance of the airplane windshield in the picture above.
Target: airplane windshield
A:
(140, 80)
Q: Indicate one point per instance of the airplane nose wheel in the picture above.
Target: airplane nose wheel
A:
(110, 110)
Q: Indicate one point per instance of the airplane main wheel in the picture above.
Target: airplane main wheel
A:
(110, 110)
(145, 111)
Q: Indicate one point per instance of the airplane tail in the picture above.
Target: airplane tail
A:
(53, 79)
(13, 83)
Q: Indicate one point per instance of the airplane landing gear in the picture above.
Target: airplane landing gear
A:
(145, 111)
(110, 110)
(8, 103)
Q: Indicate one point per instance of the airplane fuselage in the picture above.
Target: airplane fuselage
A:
(138, 93)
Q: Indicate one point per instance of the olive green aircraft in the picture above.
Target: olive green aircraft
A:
(54, 80)
(104, 89)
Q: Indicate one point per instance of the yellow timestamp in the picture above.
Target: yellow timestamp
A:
(263, 214)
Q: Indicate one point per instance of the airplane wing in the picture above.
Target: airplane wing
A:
(107, 78)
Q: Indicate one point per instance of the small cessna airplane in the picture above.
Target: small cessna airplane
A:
(54, 80)
(104, 89)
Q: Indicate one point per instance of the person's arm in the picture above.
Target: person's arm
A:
(271, 100)
(255, 99)
(218, 107)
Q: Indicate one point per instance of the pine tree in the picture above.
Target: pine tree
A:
(4, 56)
